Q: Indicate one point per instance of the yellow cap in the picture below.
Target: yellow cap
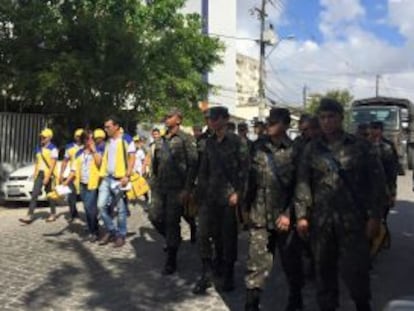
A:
(99, 133)
(78, 133)
(47, 132)
(136, 138)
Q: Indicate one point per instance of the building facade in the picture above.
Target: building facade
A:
(220, 20)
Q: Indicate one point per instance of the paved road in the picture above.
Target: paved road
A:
(49, 267)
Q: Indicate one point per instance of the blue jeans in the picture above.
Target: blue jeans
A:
(89, 199)
(106, 191)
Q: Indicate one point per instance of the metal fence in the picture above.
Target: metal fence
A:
(19, 135)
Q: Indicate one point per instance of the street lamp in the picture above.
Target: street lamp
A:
(289, 37)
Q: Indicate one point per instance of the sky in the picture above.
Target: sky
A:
(338, 44)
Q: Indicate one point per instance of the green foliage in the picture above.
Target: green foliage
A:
(88, 58)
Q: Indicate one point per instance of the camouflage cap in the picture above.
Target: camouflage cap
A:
(279, 115)
(216, 112)
(331, 105)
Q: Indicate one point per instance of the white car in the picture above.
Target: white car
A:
(19, 184)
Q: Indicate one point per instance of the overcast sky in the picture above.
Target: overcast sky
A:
(339, 44)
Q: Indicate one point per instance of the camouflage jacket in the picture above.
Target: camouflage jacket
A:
(298, 146)
(174, 163)
(271, 182)
(320, 190)
(389, 159)
(223, 168)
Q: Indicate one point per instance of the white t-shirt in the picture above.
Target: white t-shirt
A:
(139, 161)
(112, 153)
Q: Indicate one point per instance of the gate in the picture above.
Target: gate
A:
(19, 136)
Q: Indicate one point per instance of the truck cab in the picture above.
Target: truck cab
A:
(397, 115)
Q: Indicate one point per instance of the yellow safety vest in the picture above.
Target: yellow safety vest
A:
(44, 156)
(93, 181)
(121, 157)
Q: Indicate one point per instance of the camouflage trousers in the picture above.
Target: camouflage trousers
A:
(165, 214)
(340, 249)
(261, 251)
(218, 232)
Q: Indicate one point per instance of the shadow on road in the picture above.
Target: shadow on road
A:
(120, 283)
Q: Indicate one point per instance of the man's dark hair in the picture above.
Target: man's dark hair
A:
(85, 136)
(115, 119)
(155, 130)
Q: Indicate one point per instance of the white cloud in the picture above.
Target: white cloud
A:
(400, 15)
(337, 14)
(348, 57)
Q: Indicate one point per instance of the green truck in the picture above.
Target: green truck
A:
(397, 115)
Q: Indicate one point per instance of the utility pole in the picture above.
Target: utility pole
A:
(262, 95)
(377, 85)
(305, 95)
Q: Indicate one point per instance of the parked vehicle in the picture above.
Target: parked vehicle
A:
(397, 115)
(19, 184)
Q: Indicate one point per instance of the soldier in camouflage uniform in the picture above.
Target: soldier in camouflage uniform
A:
(389, 159)
(309, 129)
(270, 192)
(338, 194)
(174, 169)
(242, 131)
(221, 179)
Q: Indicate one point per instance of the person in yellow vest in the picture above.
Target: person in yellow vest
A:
(45, 172)
(116, 169)
(70, 151)
(85, 172)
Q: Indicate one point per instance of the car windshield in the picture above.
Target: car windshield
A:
(388, 116)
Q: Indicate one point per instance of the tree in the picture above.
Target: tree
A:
(88, 58)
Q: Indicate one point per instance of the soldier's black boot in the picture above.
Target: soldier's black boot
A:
(363, 306)
(171, 263)
(205, 280)
(228, 278)
(252, 300)
(295, 301)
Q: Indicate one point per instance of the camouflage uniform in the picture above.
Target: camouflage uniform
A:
(174, 168)
(272, 198)
(338, 214)
(218, 220)
(389, 159)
